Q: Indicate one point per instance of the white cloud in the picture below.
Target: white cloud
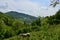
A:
(26, 6)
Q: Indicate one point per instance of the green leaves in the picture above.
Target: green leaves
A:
(37, 22)
(54, 2)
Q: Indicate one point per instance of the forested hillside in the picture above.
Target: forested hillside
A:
(21, 16)
(42, 28)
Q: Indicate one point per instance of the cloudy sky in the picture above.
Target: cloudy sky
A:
(31, 7)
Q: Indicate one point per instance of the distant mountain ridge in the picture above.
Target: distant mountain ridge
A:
(21, 16)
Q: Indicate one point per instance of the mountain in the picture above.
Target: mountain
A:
(21, 16)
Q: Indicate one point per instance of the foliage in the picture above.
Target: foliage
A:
(37, 22)
(55, 19)
(43, 28)
(54, 2)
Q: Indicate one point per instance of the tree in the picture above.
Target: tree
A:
(54, 2)
(37, 21)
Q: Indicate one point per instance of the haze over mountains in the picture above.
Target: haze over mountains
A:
(21, 16)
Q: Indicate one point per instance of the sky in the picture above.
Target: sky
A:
(31, 7)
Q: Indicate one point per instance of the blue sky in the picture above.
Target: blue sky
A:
(31, 7)
(44, 2)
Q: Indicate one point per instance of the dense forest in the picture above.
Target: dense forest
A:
(42, 28)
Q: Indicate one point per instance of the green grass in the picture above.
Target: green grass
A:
(53, 33)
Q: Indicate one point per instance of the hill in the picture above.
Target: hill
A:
(21, 16)
(47, 28)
